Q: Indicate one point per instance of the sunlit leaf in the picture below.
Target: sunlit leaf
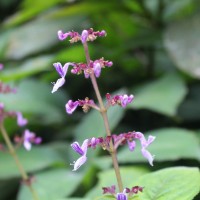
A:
(180, 183)
(163, 95)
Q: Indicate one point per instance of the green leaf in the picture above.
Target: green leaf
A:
(161, 95)
(185, 145)
(29, 10)
(108, 178)
(27, 68)
(92, 124)
(52, 185)
(180, 183)
(35, 97)
(34, 36)
(181, 40)
(31, 160)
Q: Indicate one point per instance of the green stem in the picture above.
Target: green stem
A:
(103, 112)
(17, 161)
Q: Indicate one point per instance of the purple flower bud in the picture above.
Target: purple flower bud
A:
(97, 69)
(63, 36)
(84, 36)
(71, 106)
(29, 138)
(125, 100)
(121, 196)
(102, 33)
(20, 120)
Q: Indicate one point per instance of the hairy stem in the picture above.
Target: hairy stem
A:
(17, 161)
(103, 112)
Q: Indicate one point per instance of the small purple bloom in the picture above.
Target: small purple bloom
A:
(71, 106)
(84, 36)
(30, 138)
(125, 100)
(131, 145)
(20, 120)
(121, 196)
(81, 150)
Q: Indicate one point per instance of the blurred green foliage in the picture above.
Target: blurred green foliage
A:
(155, 48)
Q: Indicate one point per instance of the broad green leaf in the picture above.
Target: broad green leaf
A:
(181, 40)
(92, 124)
(35, 36)
(52, 185)
(35, 97)
(163, 95)
(107, 178)
(185, 145)
(27, 68)
(36, 159)
(180, 183)
(29, 10)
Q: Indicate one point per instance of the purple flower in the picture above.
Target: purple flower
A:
(20, 120)
(62, 71)
(145, 143)
(81, 150)
(30, 138)
(71, 106)
(84, 36)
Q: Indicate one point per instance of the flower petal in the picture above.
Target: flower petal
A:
(60, 82)
(148, 155)
(76, 147)
(131, 145)
(71, 106)
(121, 196)
(79, 162)
(63, 36)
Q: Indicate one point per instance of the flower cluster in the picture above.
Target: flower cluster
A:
(122, 100)
(21, 121)
(28, 139)
(94, 67)
(121, 139)
(87, 35)
(125, 194)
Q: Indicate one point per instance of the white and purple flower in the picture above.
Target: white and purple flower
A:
(81, 150)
